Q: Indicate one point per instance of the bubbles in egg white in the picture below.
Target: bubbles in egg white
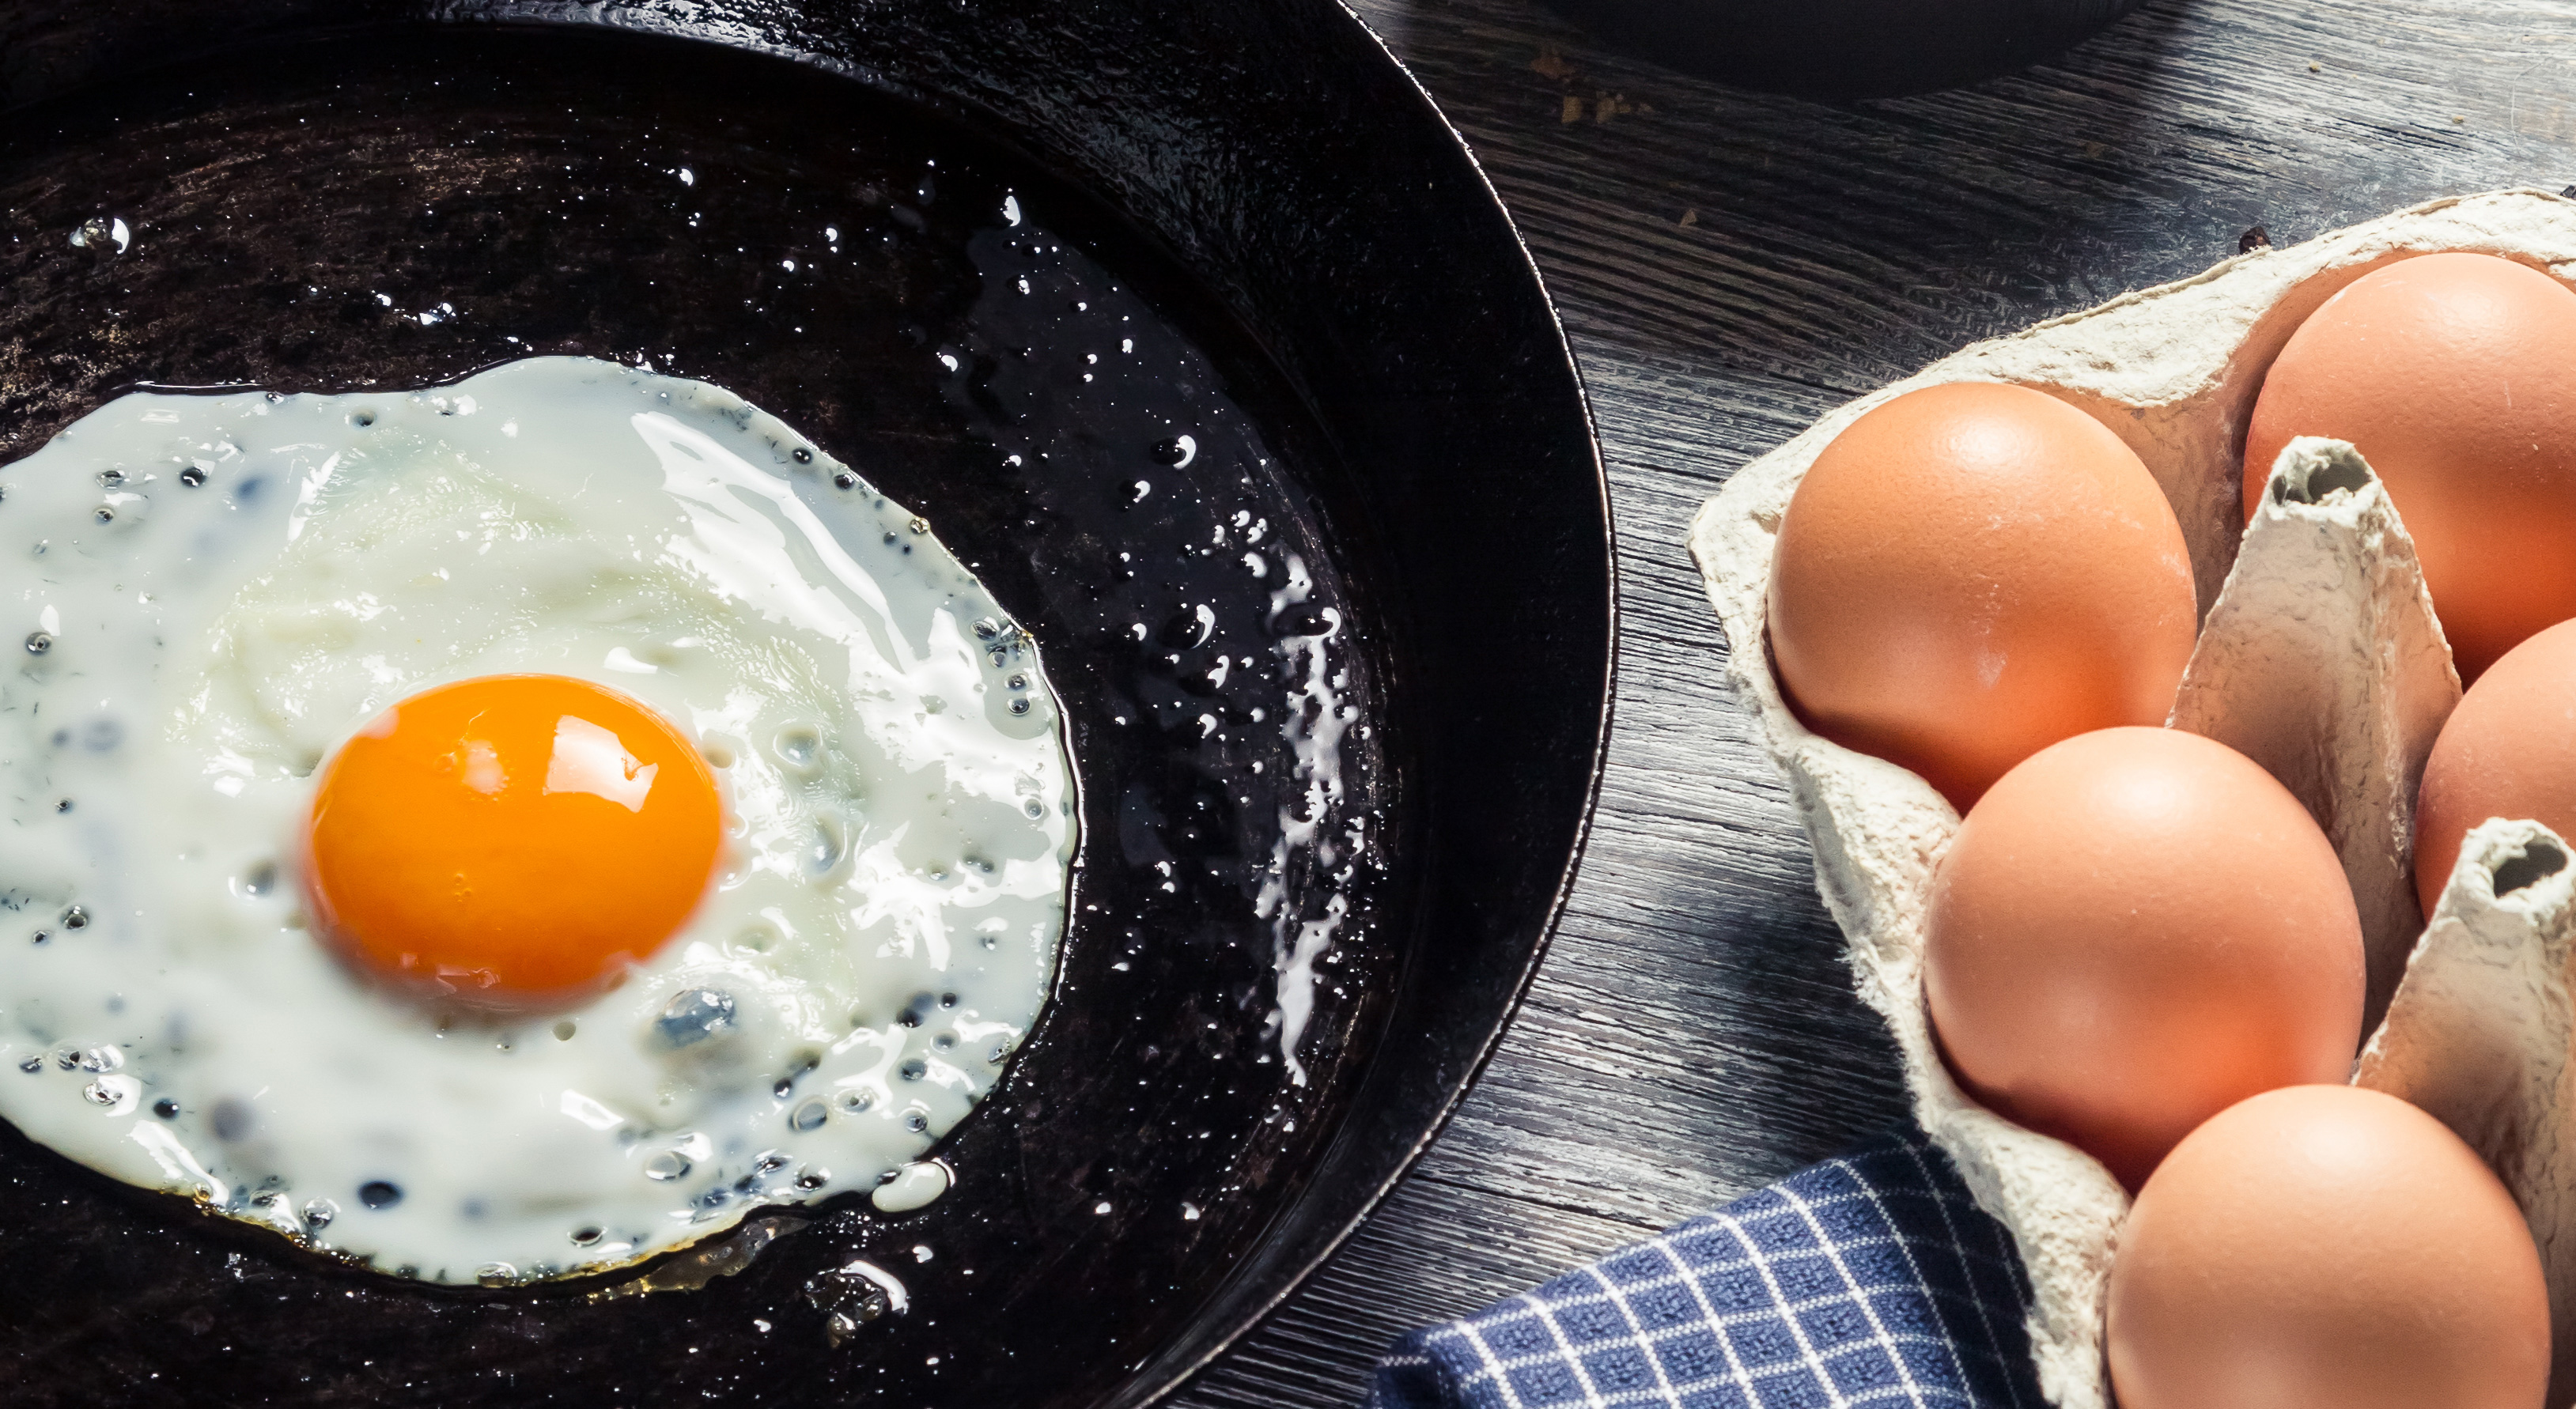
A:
(205, 595)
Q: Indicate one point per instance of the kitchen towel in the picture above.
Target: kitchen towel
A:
(1872, 1279)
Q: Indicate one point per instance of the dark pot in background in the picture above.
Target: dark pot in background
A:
(1844, 48)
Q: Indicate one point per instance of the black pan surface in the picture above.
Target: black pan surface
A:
(1152, 310)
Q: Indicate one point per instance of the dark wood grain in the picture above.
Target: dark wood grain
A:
(1729, 265)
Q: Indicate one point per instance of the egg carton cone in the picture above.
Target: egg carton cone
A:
(2479, 1036)
(2318, 656)
(2322, 661)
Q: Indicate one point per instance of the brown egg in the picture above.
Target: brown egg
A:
(1970, 573)
(2327, 1247)
(2508, 750)
(2134, 930)
(2455, 376)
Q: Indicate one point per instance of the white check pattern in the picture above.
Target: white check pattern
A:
(1869, 1280)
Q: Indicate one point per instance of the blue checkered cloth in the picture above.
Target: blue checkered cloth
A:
(1872, 1279)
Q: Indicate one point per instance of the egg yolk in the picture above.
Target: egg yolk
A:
(511, 841)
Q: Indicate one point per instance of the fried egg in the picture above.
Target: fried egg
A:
(506, 830)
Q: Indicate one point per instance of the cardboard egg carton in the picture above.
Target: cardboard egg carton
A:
(2319, 656)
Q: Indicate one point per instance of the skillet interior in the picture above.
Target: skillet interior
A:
(1375, 378)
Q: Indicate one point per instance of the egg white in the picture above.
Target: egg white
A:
(215, 591)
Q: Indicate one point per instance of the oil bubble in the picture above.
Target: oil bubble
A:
(102, 235)
(694, 1015)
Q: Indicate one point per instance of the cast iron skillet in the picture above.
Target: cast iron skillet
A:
(1317, 338)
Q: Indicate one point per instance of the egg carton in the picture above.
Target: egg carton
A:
(2319, 657)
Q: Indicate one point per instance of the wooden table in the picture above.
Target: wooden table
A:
(1729, 265)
